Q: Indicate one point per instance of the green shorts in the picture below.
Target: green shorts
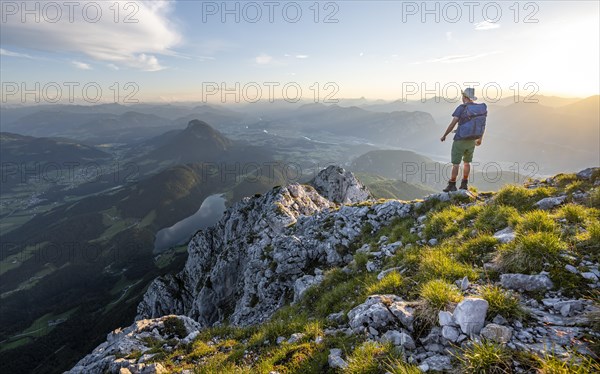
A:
(462, 150)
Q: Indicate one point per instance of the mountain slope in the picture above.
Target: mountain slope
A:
(407, 284)
(92, 258)
(18, 149)
(197, 143)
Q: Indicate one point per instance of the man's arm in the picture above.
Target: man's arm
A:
(478, 141)
(450, 128)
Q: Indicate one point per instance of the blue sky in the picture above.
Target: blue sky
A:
(370, 51)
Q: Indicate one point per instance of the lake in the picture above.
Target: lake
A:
(211, 210)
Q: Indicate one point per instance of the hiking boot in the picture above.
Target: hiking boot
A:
(464, 184)
(451, 187)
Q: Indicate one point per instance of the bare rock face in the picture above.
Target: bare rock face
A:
(340, 186)
(265, 249)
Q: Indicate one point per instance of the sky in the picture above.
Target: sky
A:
(153, 51)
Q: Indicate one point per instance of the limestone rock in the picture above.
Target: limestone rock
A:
(497, 333)
(550, 202)
(340, 186)
(526, 282)
(399, 339)
(381, 312)
(335, 359)
(470, 314)
(438, 363)
(122, 342)
(505, 235)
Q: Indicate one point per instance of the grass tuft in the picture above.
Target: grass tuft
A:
(521, 198)
(397, 366)
(368, 358)
(477, 250)
(444, 223)
(437, 263)
(575, 364)
(573, 213)
(484, 357)
(529, 253)
(537, 221)
(438, 294)
(391, 283)
(495, 217)
(502, 302)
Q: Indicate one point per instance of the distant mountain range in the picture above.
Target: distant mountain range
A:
(418, 170)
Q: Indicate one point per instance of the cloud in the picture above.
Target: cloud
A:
(452, 59)
(263, 59)
(449, 35)
(486, 25)
(4, 52)
(361, 54)
(134, 45)
(301, 56)
(81, 65)
(113, 66)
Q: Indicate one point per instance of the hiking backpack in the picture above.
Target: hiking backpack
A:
(474, 126)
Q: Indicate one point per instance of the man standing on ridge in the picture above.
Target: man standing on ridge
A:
(470, 118)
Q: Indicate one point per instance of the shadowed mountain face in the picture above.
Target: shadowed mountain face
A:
(23, 149)
(198, 142)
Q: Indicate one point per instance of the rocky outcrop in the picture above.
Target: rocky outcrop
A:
(112, 356)
(380, 313)
(267, 250)
(340, 186)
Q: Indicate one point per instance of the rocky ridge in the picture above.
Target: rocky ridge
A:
(268, 250)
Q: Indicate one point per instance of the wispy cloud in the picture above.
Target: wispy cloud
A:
(486, 25)
(81, 65)
(263, 59)
(452, 59)
(301, 56)
(134, 45)
(4, 52)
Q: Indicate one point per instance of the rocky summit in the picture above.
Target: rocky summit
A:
(321, 277)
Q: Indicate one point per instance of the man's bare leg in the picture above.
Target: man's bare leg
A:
(466, 170)
(454, 174)
(464, 184)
